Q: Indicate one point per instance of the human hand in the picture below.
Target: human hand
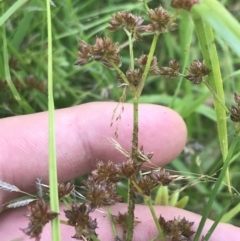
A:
(81, 134)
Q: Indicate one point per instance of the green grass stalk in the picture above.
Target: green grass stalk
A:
(149, 60)
(207, 209)
(208, 47)
(53, 180)
(160, 231)
(217, 220)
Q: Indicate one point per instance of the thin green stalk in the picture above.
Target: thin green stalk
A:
(186, 29)
(206, 39)
(216, 188)
(135, 128)
(131, 207)
(53, 180)
(115, 234)
(5, 16)
(130, 44)
(160, 231)
(215, 95)
(217, 220)
(229, 215)
(146, 5)
(222, 21)
(149, 60)
(119, 72)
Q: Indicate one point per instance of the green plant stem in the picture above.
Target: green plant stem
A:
(53, 181)
(112, 224)
(135, 128)
(146, 5)
(149, 60)
(160, 231)
(130, 44)
(215, 95)
(216, 188)
(233, 212)
(131, 207)
(14, 7)
(206, 39)
(119, 72)
(217, 220)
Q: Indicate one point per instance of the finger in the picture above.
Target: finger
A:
(81, 141)
(11, 221)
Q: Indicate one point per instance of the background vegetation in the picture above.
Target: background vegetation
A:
(24, 38)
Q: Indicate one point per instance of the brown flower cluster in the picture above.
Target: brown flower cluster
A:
(155, 178)
(29, 82)
(79, 218)
(171, 71)
(196, 72)
(122, 220)
(65, 190)
(160, 21)
(177, 229)
(134, 76)
(129, 22)
(184, 4)
(38, 215)
(235, 110)
(142, 61)
(100, 192)
(103, 50)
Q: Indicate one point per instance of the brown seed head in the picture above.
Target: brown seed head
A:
(146, 184)
(106, 172)
(85, 53)
(177, 229)
(237, 98)
(38, 215)
(65, 190)
(162, 176)
(101, 193)
(234, 113)
(196, 72)
(104, 50)
(128, 21)
(79, 217)
(134, 76)
(184, 4)
(128, 169)
(160, 21)
(171, 71)
(142, 61)
(122, 220)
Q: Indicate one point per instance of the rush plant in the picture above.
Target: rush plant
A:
(100, 186)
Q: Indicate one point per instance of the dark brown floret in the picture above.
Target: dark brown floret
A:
(160, 21)
(101, 193)
(234, 113)
(79, 218)
(162, 176)
(171, 71)
(65, 189)
(134, 76)
(184, 4)
(129, 22)
(142, 61)
(196, 72)
(38, 215)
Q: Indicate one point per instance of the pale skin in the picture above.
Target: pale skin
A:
(81, 138)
